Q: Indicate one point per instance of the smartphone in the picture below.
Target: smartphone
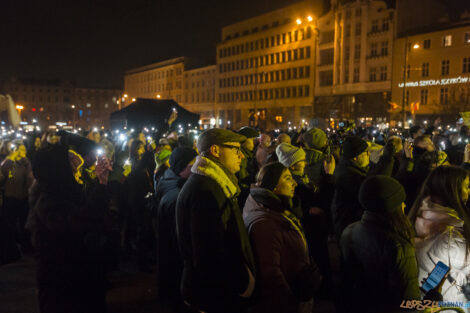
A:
(436, 277)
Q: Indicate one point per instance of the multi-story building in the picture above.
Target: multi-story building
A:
(199, 92)
(431, 72)
(353, 77)
(51, 101)
(162, 80)
(265, 68)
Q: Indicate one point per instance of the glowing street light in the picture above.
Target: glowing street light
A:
(309, 18)
(125, 95)
(416, 46)
(19, 107)
(298, 21)
(133, 99)
(158, 96)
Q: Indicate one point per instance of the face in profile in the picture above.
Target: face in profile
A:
(286, 185)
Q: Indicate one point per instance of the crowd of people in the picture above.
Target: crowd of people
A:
(241, 220)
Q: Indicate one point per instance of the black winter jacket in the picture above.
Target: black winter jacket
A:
(214, 246)
(379, 266)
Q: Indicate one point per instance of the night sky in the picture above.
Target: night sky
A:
(94, 42)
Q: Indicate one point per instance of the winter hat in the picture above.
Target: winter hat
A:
(288, 154)
(315, 138)
(76, 160)
(248, 132)
(162, 156)
(180, 158)
(381, 193)
(272, 173)
(353, 146)
(217, 136)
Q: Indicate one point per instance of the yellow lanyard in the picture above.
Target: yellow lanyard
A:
(286, 214)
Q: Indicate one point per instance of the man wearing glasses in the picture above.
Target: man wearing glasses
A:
(219, 268)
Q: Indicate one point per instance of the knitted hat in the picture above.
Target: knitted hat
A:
(381, 194)
(180, 158)
(217, 136)
(272, 173)
(162, 156)
(353, 146)
(315, 138)
(248, 132)
(288, 154)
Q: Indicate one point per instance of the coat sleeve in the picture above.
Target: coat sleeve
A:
(267, 244)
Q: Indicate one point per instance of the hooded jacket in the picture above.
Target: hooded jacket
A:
(218, 261)
(439, 231)
(281, 253)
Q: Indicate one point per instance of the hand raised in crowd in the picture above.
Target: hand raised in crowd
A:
(173, 117)
(329, 166)
(466, 155)
(408, 148)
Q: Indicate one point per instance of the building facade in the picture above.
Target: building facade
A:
(354, 60)
(431, 73)
(199, 92)
(50, 101)
(265, 68)
(162, 80)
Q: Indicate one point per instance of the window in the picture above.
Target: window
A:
(289, 55)
(294, 73)
(373, 49)
(357, 51)
(466, 65)
(307, 71)
(467, 38)
(425, 70)
(358, 11)
(347, 31)
(326, 56)
(356, 75)
(447, 41)
(346, 76)
(375, 26)
(326, 78)
(384, 48)
(358, 29)
(307, 91)
(372, 74)
(307, 52)
(348, 13)
(383, 73)
(296, 54)
(445, 67)
(302, 53)
(385, 24)
(424, 96)
(309, 32)
(427, 44)
(444, 96)
(346, 53)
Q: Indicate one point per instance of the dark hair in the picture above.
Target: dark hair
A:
(269, 175)
(133, 155)
(444, 186)
(400, 224)
(420, 139)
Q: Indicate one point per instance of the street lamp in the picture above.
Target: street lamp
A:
(298, 21)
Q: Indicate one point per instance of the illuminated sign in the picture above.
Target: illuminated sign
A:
(436, 82)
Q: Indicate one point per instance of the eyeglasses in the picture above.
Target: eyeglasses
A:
(237, 149)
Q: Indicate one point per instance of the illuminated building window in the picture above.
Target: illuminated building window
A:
(447, 41)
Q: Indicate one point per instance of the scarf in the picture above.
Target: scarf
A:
(207, 166)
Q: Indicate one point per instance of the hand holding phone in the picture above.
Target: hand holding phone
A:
(436, 277)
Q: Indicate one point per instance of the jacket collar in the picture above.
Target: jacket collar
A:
(431, 212)
(206, 167)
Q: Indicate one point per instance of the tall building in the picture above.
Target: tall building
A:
(265, 68)
(199, 92)
(432, 71)
(51, 101)
(353, 77)
(161, 80)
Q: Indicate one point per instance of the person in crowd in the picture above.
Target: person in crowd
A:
(263, 149)
(416, 131)
(169, 262)
(378, 254)
(15, 180)
(315, 208)
(219, 267)
(69, 234)
(162, 164)
(139, 219)
(352, 170)
(249, 166)
(283, 138)
(34, 146)
(287, 277)
(316, 148)
(442, 229)
(49, 138)
(95, 136)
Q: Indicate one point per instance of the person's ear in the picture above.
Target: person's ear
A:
(215, 151)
